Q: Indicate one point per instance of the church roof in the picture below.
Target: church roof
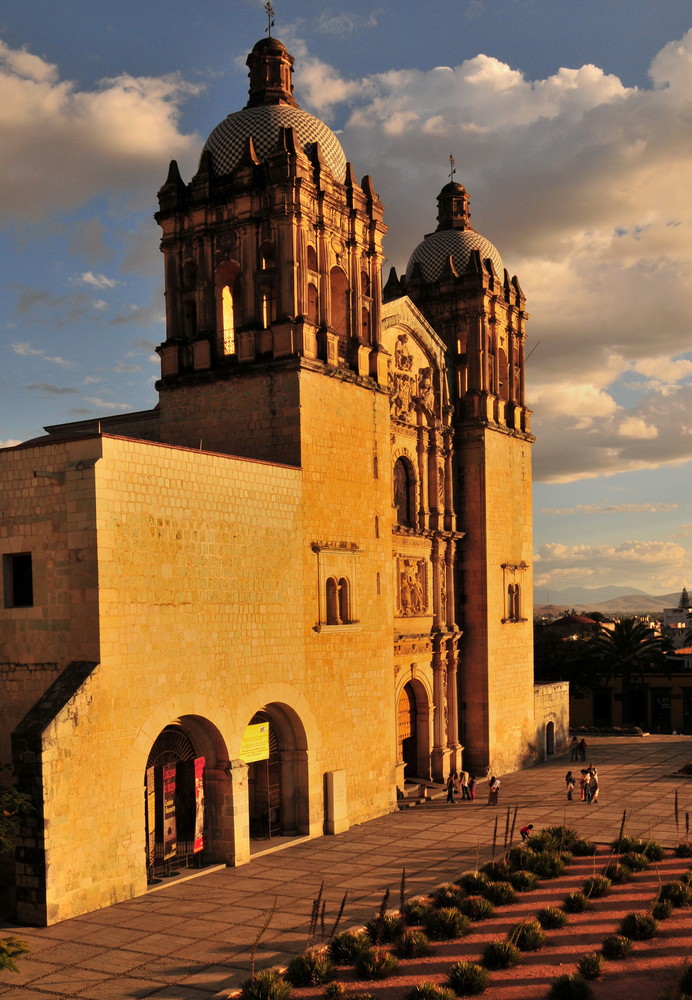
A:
(271, 107)
(433, 252)
(263, 122)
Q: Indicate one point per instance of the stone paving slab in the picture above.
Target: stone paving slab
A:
(190, 940)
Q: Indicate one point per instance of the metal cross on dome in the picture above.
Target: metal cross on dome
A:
(452, 167)
(270, 17)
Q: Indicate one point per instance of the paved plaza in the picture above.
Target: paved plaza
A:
(190, 940)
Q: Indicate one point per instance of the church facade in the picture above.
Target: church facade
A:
(304, 578)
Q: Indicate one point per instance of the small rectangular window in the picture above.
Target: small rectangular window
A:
(18, 580)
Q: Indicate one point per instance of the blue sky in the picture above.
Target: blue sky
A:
(569, 122)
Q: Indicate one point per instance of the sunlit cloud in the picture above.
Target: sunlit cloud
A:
(620, 508)
(25, 350)
(665, 564)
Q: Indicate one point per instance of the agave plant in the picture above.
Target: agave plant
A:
(312, 968)
(570, 987)
(430, 991)
(376, 963)
(345, 947)
(266, 985)
(528, 935)
(500, 893)
(616, 946)
(550, 918)
(590, 965)
(473, 881)
(501, 955)
(477, 908)
(467, 979)
(412, 944)
(596, 886)
(446, 924)
(575, 902)
(639, 926)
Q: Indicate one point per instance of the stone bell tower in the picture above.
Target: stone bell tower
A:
(273, 254)
(456, 277)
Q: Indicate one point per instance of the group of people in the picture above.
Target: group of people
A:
(577, 749)
(589, 784)
(463, 784)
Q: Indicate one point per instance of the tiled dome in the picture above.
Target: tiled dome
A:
(227, 142)
(434, 250)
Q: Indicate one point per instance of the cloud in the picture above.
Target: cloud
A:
(663, 564)
(50, 390)
(583, 185)
(25, 349)
(95, 280)
(10, 443)
(62, 146)
(106, 404)
(620, 508)
(342, 24)
(122, 367)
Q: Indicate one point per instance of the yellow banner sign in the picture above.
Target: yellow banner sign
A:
(255, 745)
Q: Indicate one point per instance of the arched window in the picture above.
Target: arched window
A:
(338, 601)
(228, 305)
(312, 304)
(338, 284)
(364, 284)
(332, 601)
(267, 304)
(266, 257)
(344, 601)
(403, 492)
(312, 259)
(365, 325)
(502, 375)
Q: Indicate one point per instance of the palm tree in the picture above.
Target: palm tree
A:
(628, 650)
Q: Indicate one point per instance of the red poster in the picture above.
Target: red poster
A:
(169, 831)
(151, 817)
(199, 804)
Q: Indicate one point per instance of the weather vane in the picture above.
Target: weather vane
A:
(270, 17)
(452, 168)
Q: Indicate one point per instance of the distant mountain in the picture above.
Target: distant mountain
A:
(623, 601)
(582, 596)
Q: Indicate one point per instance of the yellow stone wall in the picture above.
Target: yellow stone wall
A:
(495, 513)
(207, 609)
(47, 499)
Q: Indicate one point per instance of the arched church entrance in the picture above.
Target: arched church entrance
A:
(278, 777)
(407, 723)
(550, 738)
(185, 781)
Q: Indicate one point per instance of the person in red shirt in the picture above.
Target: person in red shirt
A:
(526, 831)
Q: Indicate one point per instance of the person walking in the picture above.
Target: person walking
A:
(570, 782)
(464, 782)
(472, 787)
(493, 790)
(451, 785)
(587, 788)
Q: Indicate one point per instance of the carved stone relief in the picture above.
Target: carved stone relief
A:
(402, 388)
(403, 359)
(413, 591)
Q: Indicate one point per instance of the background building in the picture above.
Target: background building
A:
(305, 576)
